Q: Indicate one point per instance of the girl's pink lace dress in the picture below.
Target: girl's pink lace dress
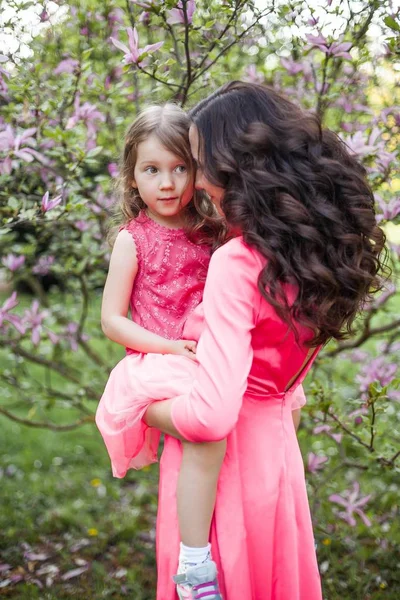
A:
(168, 287)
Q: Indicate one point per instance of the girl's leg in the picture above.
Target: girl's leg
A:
(197, 488)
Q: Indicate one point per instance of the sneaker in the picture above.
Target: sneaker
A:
(198, 583)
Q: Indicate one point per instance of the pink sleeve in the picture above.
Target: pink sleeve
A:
(224, 351)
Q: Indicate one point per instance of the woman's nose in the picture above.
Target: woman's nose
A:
(198, 184)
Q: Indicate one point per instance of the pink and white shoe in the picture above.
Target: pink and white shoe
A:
(198, 582)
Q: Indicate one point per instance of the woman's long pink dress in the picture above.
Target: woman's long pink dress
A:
(262, 538)
(261, 533)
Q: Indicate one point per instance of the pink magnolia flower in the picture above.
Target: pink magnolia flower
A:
(253, 75)
(177, 15)
(327, 429)
(19, 145)
(5, 315)
(88, 113)
(102, 203)
(291, 66)
(359, 145)
(352, 503)
(335, 49)
(315, 462)
(43, 265)
(378, 369)
(82, 225)
(33, 320)
(13, 262)
(113, 169)
(134, 54)
(384, 159)
(390, 210)
(50, 204)
(71, 335)
(68, 65)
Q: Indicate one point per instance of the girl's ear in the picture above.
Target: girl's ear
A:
(133, 184)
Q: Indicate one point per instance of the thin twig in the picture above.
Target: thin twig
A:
(47, 424)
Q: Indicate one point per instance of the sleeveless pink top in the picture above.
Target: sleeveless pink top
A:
(171, 276)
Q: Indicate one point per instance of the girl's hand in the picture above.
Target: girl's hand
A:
(184, 348)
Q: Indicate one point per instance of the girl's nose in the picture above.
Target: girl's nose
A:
(166, 182)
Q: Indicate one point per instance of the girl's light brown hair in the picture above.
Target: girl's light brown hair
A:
(171, 126)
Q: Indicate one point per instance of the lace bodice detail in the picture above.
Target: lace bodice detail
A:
(170, 279)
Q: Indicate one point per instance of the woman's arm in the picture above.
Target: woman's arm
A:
(224, 353)
(117, 292)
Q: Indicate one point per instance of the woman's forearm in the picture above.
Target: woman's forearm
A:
(296, 416)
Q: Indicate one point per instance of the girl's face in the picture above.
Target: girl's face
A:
(215, 192)
(163, 182)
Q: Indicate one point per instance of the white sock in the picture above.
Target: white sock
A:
(194, 556)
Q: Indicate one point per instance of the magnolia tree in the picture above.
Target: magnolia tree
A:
(68, 93)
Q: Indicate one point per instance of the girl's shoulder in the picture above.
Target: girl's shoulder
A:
(134, 224)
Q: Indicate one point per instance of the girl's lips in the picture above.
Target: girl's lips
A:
(168, 199)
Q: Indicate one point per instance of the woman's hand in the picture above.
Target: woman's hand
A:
(184, 348)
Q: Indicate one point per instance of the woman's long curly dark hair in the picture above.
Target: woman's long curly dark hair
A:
(298, 197)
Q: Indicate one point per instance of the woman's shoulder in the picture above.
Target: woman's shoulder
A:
(239, 254)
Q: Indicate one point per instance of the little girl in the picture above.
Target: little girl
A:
(158, 268)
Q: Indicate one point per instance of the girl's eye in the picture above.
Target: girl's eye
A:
(181, 169)
(150, 170)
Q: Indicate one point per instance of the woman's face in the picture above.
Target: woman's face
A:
(215, 192)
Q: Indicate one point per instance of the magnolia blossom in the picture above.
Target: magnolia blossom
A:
(352, 503)
(50, 204)
(82, 225)
(71, 336)
(5, 315)
(102, 203)
(390, 210)
(33, 319)
(177, 15)
(253, 75)
(19, 145)
(134, 54)
(89, 114)
(68, 65)
(335, 49)
(13, 262)
(361, 146)
(291, 66)
(315, 462)
(378, 369)
(327, 429)
(112, 168)
(43, 265)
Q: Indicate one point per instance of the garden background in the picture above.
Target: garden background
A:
(72, 77)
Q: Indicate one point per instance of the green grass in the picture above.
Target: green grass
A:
(62, 510)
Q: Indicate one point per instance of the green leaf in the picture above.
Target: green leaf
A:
(390, 22)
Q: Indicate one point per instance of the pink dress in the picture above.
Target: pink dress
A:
(261, 533)
(168, 287)
(262, 538)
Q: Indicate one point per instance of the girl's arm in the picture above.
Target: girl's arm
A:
(117, 292)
